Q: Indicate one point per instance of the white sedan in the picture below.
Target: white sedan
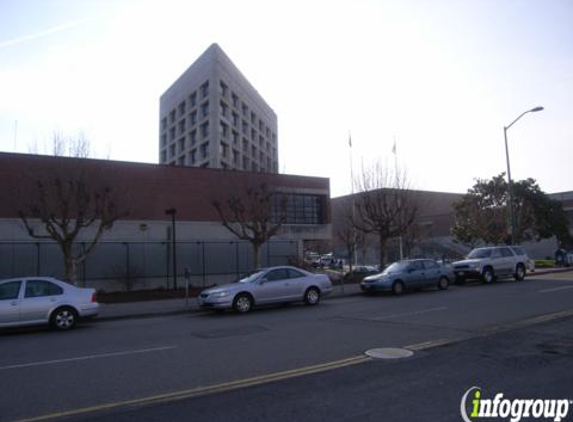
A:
(266, 286)
(44, 300)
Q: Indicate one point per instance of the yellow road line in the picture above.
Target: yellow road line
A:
(207, 390)
(429, 344)
(492, 330)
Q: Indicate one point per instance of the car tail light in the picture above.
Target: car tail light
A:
(94, 298)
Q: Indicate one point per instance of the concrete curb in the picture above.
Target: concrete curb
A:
(193, 309)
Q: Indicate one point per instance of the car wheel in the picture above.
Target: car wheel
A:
(398, 288)
(443, 283)
(243, 303)
(519, 272)
(63, 319)
(312, 296)
(488, 276)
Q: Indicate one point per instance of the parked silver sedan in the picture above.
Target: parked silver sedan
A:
(266, 286)
(43, 300)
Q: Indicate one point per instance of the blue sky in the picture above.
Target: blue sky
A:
(442, 77)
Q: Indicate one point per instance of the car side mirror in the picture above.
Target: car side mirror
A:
(263, 281)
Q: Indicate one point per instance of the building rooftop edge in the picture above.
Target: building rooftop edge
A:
(144, 164)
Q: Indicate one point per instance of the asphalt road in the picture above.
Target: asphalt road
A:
(511, 337)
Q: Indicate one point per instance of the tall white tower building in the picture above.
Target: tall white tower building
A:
(213, 117)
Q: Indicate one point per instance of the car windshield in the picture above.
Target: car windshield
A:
(250, 277)
(479, 253)
(395, 267)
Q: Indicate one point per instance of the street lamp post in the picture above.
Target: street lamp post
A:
(172, 211)
(509, 182)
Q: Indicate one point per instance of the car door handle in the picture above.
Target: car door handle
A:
(15, 303)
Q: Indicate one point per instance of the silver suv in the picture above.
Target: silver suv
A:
(490, 263)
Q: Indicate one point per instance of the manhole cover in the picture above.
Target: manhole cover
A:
(388, 353)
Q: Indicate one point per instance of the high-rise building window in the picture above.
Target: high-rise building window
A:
(244, 127)
(172, 151)
(204, 150)
(236, 156)
(164, 123)
(223, 129)
(163, 156)
(224, 148)
(224, 109)
(192, 100)
(235, 138)
(205, 129)
(235, 119)
(172, 117)
(245, 146)
(181, 161)
(192, 137)
(181, 126)
(181, 144)
(253, 135)
(205, 89)
(172, 134)
(254, 152)
(182, 109)
(245, 109)
(163, 140)
(261, 126)
(192, 157)
(246, 163)
(205, 109)
(235, 100)
(224, 89)
(193, 118)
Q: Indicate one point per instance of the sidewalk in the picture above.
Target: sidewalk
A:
(109, 311)
(180, 306)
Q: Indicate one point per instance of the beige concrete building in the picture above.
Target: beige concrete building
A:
(213, 117)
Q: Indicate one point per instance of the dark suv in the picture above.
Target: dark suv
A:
(489, 263)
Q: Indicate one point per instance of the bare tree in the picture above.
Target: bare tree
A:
(350, 237)
(385, 205)
(78, 146)
(252, 211)
(61, 204)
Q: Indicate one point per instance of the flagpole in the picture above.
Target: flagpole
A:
(353, 199)
(397, 187)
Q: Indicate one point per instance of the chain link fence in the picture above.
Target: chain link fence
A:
(133, 264)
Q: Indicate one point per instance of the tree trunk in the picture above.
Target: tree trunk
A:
(71, 273)
(382, 252)
(257, 255)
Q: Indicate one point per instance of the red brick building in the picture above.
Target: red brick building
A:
(143, 193)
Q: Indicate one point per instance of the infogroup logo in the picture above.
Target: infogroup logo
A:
(514, 409)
